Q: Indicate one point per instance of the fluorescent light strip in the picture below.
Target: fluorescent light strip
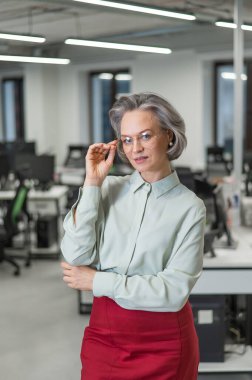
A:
(229, 75)
(225, 24)
(17, 37)
(105, 76)
(123, 76)
(112, 45)
(140, 9)
(232, 25)
(109, 76)
(246, 27)
(16, 58)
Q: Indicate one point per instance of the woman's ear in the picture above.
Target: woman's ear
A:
(170, 135)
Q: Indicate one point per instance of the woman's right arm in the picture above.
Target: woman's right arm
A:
(84, 223)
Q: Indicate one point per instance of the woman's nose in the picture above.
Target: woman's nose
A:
(137, 146)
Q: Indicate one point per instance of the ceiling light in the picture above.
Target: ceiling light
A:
(112, 45)
(232, 25)
(225, 24)
(123, 76)
(246, 27)
(105, 76)
(17, 58)
(139, 8)
(22, 37)
(229, 75)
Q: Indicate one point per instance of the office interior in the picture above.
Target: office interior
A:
(50, 113)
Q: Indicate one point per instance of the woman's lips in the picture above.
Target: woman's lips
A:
(140, 160)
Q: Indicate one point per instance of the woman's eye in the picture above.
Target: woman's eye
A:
(145, 136)
(127, 140)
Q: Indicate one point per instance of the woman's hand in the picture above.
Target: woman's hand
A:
(99, 160)
(80, 278)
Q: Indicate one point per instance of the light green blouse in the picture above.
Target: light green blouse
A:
(145, 239)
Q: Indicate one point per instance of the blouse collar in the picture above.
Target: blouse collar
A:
(159, 187)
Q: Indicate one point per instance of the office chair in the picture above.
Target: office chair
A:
(209, 238)
(186, 176)
(247, 171)
(216, 159)
(10, 227)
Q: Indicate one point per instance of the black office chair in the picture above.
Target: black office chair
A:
(15, 210)
(186, 176)
(216, 160)
(209, 238)
(247, 171)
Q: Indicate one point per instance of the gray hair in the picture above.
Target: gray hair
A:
(165, 113)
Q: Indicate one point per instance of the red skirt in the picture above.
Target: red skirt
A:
(121, 344)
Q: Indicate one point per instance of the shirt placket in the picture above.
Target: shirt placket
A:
(128, 253)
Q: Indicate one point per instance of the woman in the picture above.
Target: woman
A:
(136, 242)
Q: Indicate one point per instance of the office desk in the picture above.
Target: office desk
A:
(44, 203)
(71, 176)
(230, 272)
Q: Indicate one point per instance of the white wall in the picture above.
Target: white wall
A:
(41, 106)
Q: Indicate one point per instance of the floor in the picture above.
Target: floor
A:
(40, 328)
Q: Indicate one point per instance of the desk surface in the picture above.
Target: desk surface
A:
(55, 192)
(230, 272)
(241, 257)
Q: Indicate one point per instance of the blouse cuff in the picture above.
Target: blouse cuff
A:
(103, 284)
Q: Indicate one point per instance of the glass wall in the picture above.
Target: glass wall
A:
(225, 105)
(106, 87)
(13, 109)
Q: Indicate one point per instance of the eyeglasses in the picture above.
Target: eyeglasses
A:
(145, 138)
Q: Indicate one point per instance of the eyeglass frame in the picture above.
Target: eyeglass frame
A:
(138, 139)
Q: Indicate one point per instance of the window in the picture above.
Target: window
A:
(106, 87)
(13, 109)
(224, 106)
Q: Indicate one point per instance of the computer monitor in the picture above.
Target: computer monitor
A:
(38, 168)
(2, 147)
(43, 169)
(4, 166)
(76, 156)
(13, 148)
(23, 165)
(221, 222)
(25, 147)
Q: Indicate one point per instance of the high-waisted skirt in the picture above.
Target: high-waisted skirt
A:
(121, 344)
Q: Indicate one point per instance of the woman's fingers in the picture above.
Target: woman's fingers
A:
(99, 160)
(111, 154)
(65, 265)
(102, 147)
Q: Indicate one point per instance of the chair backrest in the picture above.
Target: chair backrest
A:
(15, 208)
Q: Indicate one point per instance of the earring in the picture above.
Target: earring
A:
(170, 143)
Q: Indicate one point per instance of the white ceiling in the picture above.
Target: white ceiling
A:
(59, 19)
